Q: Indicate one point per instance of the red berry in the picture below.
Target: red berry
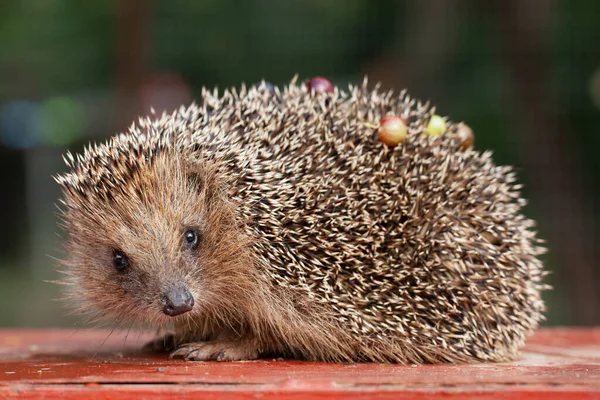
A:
(319, 84)
(392, 130)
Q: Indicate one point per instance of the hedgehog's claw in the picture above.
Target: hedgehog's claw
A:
(219, 350)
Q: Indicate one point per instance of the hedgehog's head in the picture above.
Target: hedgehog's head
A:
(152, 237)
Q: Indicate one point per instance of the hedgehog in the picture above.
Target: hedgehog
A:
(269, 221)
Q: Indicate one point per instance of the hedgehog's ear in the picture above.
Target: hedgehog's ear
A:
(201, 174)
(195, 181)
(193, 170)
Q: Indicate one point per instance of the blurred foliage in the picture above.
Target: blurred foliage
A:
(64, 54)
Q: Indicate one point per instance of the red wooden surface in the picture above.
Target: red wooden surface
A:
(556, 364)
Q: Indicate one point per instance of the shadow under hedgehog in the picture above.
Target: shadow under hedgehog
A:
(308, 222)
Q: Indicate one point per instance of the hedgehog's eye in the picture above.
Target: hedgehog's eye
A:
(191, 238)
(120, 260)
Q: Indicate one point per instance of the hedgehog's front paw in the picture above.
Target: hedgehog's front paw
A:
(164, 344)
(219, 350)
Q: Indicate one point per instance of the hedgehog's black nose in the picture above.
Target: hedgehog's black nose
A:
(177, 300)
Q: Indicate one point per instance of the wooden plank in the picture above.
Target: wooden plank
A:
(556, 363)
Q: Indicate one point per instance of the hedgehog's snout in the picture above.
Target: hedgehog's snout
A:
(177, 300)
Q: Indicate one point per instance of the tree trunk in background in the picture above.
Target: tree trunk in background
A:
(550, 157)
(132, 57)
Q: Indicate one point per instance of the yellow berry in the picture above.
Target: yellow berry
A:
(436, 126)
(392, 130)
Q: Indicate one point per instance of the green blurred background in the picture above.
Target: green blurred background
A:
(524, 74)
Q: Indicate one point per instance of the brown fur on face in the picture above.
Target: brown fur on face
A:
(147, 222)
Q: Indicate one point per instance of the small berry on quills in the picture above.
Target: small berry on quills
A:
(392, 130)
(436, 126)
(465, 135)
(319, 84)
